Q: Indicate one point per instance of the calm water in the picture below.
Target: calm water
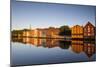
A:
(32, 51)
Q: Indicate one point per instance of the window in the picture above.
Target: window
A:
(89, 29)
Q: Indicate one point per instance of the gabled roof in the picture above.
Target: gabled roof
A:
(77, 26)
(89, 23)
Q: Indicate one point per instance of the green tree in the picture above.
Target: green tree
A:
(65, 31)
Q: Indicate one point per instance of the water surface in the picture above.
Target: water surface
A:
(32, 51)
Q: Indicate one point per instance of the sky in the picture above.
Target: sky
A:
(43, 15)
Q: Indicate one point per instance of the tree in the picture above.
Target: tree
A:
(65, 31)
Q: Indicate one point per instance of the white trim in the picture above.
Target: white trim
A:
(83, 2)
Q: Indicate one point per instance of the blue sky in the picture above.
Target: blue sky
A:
(43, 15)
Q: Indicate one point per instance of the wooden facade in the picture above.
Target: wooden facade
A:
(77, 31)
(52, 32)
(89, 30)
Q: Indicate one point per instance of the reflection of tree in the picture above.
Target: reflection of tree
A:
(64, 44)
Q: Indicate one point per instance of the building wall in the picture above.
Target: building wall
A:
(89, 30)
(16, 33)
(77, 31)
(52, 32)
(28, 33)
(25, 33)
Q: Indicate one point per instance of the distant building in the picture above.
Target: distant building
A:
(89, 30)
(41, 32)
(26, 32)
(52, 32)
(36, 33)
(22, 33)
(17, 33)
(77, 31)
(44, 32)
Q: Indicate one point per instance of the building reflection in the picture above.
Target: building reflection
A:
(50, 43)
(32, 41)
(17, 39)
(89, 49)
(77, 46)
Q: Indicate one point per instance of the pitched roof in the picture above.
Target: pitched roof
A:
(89, 23)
